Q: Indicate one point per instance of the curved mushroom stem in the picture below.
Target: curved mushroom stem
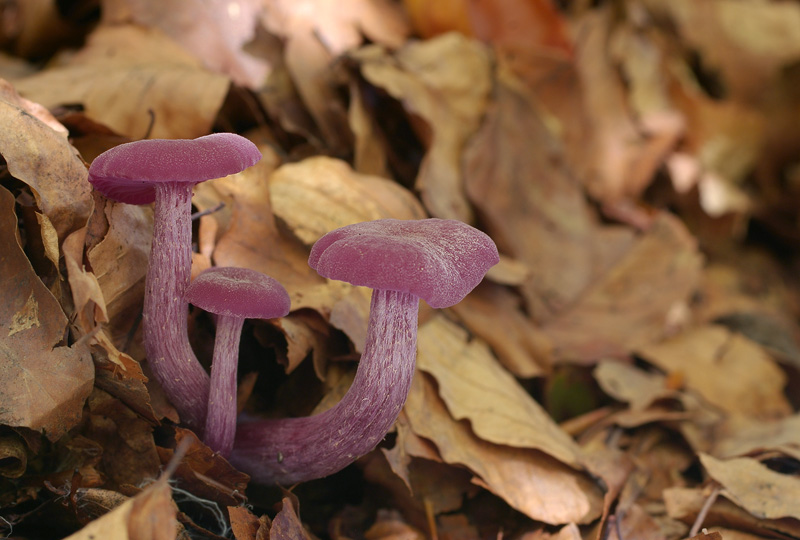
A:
(293, 450)
(166, 311)
(221, 419)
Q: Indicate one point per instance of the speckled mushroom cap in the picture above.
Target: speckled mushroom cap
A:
(238, 292)
(127, 172)
(438, 260)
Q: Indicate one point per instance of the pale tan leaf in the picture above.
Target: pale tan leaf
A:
(320, 194)
(477, 388)
(727, 369)
(534, 483)
(446, 82)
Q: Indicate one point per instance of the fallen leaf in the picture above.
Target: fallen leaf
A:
(748, 42)
(446, 82)
(631, 304)
(203, 472)
(530, 481)
(320, 194)
(520, 27)
(43, 158)
(287, 524)
(752, 485)
(43, 384)
(150, 515)
(632, 385)
(137, 70)
(727, 369)
(746, 436)
(252, 239)
(214, 32)
(493, 313)
(532, 207)
(684, 504)
(244, 524)
(475, 387)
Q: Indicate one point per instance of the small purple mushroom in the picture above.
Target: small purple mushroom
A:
(234, 294)
(437, 260)
(165, 171)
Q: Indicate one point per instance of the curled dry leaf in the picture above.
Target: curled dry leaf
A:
(123, 73)
(477, 388)
(632, 385)
(287, 524)
(631, 303)
(252, 239)
(684, 504)
(765, 493)
(530, 481)
(320, 194)
(316, 32)
(43, 384)
(749, 436)
(446, 82)
(532, 207)
(623, 153)
(748, 42)
(493, 314)
(37, 152)
(727, 369)
(215, 32)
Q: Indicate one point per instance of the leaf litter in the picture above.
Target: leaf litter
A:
(630, 370)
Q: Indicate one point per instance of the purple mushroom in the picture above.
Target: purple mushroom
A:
(165, 171)
(234, 294)
(437, 260)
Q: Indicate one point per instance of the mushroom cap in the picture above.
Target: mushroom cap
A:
(127, 172)
(438, 260)
(238, 292)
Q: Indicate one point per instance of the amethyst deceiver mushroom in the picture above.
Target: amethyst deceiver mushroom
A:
(437, 260)
(233, 294)
(165, 171)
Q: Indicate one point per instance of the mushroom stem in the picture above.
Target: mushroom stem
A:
(293, 450)
(166, 311)
(221, 419)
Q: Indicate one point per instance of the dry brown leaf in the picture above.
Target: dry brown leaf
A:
(122, 73)
(351, 315)
(119, 261)
(530, 481)
(567, 532)
(477, 388)
(287, 524)
(150, 515)
(493, 313)
(632, 303)
(390, 526)
(623, 153)
(38, 153)
(43, 384)
(752, 485)
(215, 32)
(532, 207)
(632, 385)
(746, 436)
(251, 239)
(523, 28)
(320, 194)
(446, 82)
(316, 32)
(684, 504)
(748, 41)
(727, 369)
(244, 524)
(205, 473)
(129, 452)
